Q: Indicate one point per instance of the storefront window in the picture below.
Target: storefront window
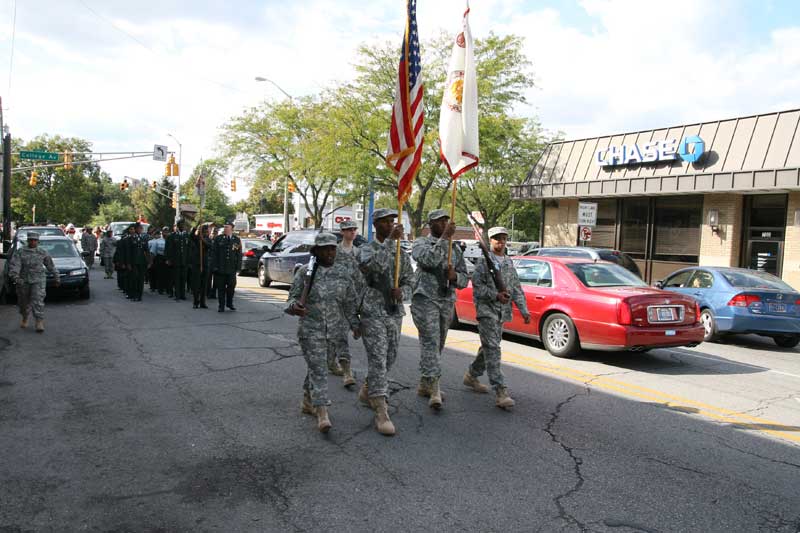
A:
(677, 228)
(604, 232)
(633, 234)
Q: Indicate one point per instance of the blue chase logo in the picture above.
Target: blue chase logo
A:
(689, 149)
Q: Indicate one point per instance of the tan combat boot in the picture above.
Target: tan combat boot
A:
(348, 380)
(39, 325)
(323, 422)
(473, 383)
(363, 394)
(306, 407)
(424, 388)
(436, 395)
(503, 400)
(382, 422)
(335, 369)
(24, 322)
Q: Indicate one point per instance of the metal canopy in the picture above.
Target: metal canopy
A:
(754, 153)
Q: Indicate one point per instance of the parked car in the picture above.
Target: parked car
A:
(118, 228)
(22, 232)
(291, 251)
(738, 300)
(579, 304)
(252, 249)
(596, 254)
(71, 268)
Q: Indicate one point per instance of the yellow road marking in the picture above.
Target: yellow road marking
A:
(719, 414)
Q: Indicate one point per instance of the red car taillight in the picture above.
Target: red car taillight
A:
(744, 300)
(697, 313)
(250, 253)
(624, 313)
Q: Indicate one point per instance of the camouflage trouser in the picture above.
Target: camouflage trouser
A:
(339, 346)
(108, 264)
(432, 318)
(30, 297)
(488, 359)
(381, 338)
(315, 351)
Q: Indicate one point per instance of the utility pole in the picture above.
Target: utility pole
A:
(286, 205)
(180, 169)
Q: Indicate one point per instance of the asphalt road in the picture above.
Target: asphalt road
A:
(153, 416)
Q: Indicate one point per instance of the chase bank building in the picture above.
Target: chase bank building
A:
(723, 193)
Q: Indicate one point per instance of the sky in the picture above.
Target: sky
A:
(124, 74)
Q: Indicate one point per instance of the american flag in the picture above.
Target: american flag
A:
(406, 134)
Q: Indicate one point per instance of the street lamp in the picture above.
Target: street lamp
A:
(286, 181)
(180, 169)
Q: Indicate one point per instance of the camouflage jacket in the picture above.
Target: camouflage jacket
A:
(30, 265)
(108, 246)
(346, 261)
(484, 291)
(430, 253)
(331, 295)
(376, 262)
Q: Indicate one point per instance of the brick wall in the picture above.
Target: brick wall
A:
(722, 248)
(791, 244)
(561, 224)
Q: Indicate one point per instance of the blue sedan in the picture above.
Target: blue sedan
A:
(737, 300)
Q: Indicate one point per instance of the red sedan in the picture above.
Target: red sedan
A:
(578, 303)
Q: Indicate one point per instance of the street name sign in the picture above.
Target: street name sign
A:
(587, 214)
(39, 156)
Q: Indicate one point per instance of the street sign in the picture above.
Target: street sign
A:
(159, 152)
(586, 233)
(39, 156)
(587, 214)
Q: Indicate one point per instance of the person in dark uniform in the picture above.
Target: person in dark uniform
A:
(166, 276)
(200, 260)
(226, 262)
(120, 261)
(136, 256)
(212, 286)
(177, 252)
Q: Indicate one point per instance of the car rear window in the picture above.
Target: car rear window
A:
(755, 280)
(604, 275)
(563, 253)
(22, 234)
(249, 245)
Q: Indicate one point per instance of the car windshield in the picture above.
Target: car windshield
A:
(249, 245)
(22, 234)
(532, 272)
(755, 280)
(604, 275)
(59, 248)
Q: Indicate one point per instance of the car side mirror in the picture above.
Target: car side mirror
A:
(265, 248)
(659, 284)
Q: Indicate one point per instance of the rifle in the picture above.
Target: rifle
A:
(490, 264)
(311, 273)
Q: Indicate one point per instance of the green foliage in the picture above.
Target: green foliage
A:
(111, 211)
(217, 207)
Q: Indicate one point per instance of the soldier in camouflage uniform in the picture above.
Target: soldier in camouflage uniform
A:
(434, 298)
(382, 310)
(331, 293)
(28, 269)
(339, 356)
(493, 308)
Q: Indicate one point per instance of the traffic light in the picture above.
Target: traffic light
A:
(124, 185)
(292, 187)
(68, 160)
(34, 174)
(175, 199)
(154, 185)
(172, 167)
(233, 184)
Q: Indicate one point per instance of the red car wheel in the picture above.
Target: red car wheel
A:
(559, 336)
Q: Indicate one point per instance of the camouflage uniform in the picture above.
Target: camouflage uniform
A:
(347, 265)
(380, 321)
(108, 247)
(492, 314)
(433, 300)
(330, 295)
(28, 268)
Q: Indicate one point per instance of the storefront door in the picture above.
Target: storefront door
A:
(765, 221)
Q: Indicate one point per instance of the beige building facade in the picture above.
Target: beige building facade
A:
(721, 193)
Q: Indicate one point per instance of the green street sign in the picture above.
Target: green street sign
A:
(39, 156)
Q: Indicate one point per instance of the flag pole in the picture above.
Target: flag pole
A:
(398, 251)
(452, 219)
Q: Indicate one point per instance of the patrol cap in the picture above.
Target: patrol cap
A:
(348, 224)
(229, 223)
(165, 228)
(436, 214)
(33, 235)
(497, 230)
(383, 212)
(325, 239)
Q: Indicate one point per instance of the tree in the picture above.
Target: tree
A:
(60, 194)
(217, 208)
(112, 211)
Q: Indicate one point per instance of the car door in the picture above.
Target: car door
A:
(298, 254)
(678, 281)
(536, 279)
(700, 287)
(273, 261)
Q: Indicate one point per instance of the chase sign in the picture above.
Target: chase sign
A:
(689, 149)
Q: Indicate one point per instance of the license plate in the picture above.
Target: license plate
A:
(670, 333)
(665, 314)
(777, 308)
